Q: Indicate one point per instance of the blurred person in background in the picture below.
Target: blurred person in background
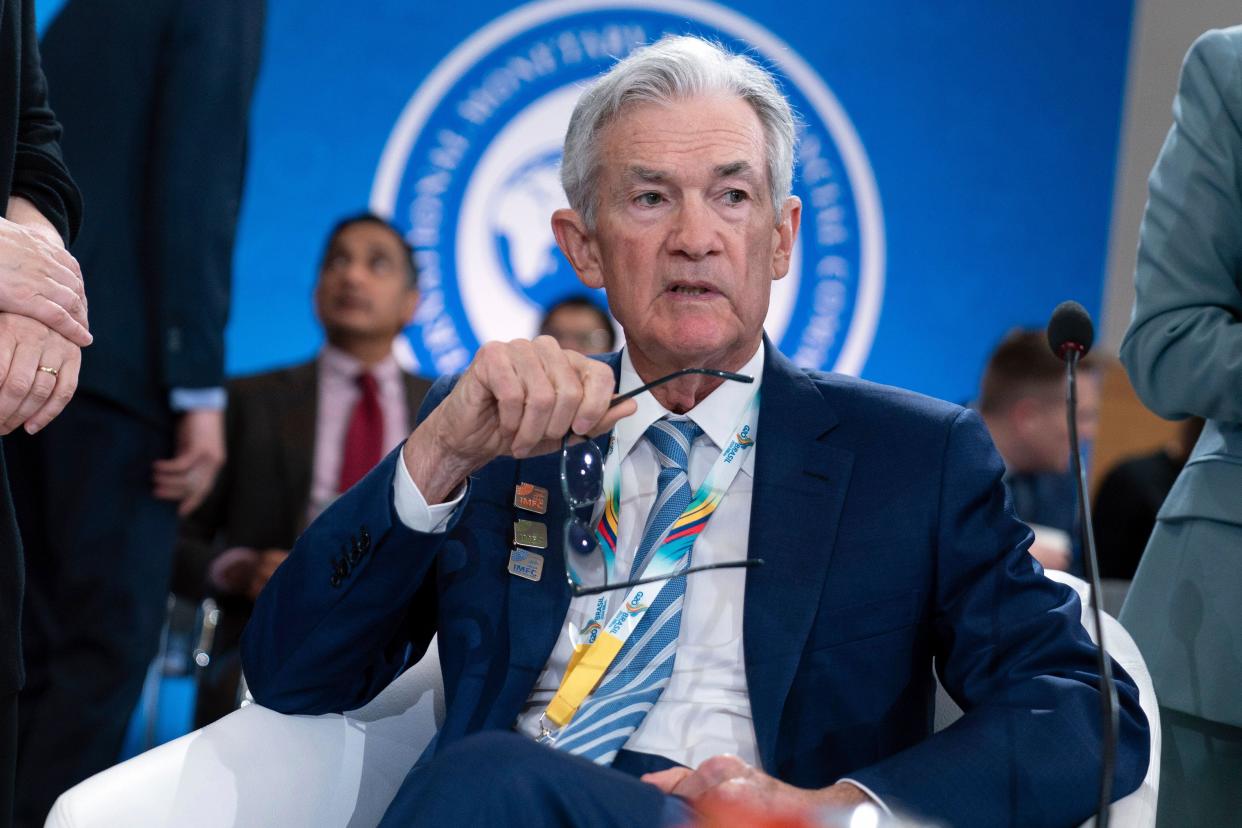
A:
(1183, 353)
(579, 324)
(154, 97)
(42, 314)
(299, 436)
(1130, 496)
(1022, 400)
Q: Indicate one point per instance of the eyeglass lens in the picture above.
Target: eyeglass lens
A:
(582, 471)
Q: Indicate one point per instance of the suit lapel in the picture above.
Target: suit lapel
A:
(537, 609)
(800, 485)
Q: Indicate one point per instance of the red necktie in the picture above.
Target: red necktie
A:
(364, 438)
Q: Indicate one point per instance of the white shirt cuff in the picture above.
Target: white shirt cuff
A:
(879, 803)
(412, 507)
(196, 399)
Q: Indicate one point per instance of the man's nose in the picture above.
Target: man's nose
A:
(696, 234)
(356, 271)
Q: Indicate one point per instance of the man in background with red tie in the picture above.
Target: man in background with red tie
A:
(299, 436)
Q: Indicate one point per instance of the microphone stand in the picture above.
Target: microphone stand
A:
(1108, 690)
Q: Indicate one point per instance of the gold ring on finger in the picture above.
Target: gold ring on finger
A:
(53, 371)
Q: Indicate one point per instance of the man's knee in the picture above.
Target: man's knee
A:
(479, 778)
(492, 752)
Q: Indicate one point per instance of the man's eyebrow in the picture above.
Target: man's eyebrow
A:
(733, 169)
(646, 174)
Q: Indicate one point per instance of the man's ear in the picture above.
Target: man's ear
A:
(409, 304)
(578, 245)
(786, 233)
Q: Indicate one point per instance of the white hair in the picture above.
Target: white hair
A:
(673, 68)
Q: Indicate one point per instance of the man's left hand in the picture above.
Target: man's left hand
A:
(38, 373)
(729, 779)
(189, 475)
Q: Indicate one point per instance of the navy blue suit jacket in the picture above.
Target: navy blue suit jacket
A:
(888, 541)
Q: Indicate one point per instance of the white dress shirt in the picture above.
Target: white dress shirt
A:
(705, 709)
(338, 394)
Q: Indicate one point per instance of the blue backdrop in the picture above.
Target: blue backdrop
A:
(958, 167)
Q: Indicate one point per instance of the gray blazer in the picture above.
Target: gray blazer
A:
(1183, 352)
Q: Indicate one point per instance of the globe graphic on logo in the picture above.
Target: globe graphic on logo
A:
(521, 232)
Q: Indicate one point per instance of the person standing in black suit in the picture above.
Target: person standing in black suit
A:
(42, 313)
(155, 97)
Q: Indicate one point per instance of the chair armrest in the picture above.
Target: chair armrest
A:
(1138, 808)
(256, 767)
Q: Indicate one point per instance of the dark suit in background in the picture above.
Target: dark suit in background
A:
(31, 167)
(1125, 510)
(260, 500)
(155, 96)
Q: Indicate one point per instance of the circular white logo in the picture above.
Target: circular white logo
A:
(470, 175)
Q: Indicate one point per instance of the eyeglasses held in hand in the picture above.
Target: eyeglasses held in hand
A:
(587, 568)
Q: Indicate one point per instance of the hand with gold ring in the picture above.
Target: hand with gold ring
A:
(38, 373)
(38, 277)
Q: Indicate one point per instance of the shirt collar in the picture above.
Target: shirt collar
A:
(718, 414)
(341, 365)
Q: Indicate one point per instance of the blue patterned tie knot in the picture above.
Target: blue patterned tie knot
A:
(672, 440)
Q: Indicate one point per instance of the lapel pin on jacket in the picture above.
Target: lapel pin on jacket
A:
(530, 497)
(530, 533)
(526, 564)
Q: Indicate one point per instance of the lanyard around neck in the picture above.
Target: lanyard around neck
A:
(597, 644)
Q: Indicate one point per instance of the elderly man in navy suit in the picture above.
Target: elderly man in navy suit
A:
(880, 516)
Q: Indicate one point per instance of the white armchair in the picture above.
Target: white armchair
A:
(1138, 809)
(259, 768)
(256, 767)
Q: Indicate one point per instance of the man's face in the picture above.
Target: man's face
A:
(686, 240)
(363, 288)
(577, 329)
(1047, 433)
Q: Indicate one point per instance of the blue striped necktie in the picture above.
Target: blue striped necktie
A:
(643, 667)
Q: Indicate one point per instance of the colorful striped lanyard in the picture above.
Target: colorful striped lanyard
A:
(597, 643)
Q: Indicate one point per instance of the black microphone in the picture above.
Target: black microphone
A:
(1070, 329)
(1070, 334)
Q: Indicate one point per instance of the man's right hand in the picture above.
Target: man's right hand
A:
(1052, 547)
(243, 570)
(42, 281)
(516, 399)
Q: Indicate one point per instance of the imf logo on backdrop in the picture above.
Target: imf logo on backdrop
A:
(470, 174)
(521, 236)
